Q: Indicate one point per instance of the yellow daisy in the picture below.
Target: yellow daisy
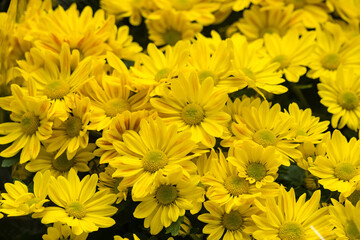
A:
(156, 147)
(61, 231)
(106, 181)
(339, 170)
(194, 107)
(236, 224)
(286, 218)
(347, 10)
(341, 96)
(62, 165)
(170, 198)
(78, 205)
(30, 124)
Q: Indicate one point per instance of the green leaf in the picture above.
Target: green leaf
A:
(174, 228)
(8, 162)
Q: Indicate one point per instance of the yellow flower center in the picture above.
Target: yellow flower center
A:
(232, 221)
(330, 61)
(62, 163)
(56, 89)
(32, 201)
(301, 132)
(352, 231)
(154, 160)
(73, 126)
(265, 138)
(345, 171)
(172, 36)
(354, 197)
(269, 30)
(161, 74)
(205, 74)
(192, 114)
(30, 123)
(166, 194)
(115, 106)
(256, 171)
(291, 231)
(76, 209)
(249, 73)
(283, 60)
(236, 185)
(348, 100)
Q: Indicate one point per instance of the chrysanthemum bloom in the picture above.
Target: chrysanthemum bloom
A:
(267, 127)
(18, 201)
(237, 224)
(341, 95)
(78, 205)
(291, 51)
(256, 71)
(334, 49)
(194, 107)
(106, 181)
(339, 170)
(171, 196)
(113, 135)
(345, 219)
(30, 124)
(62, 165)
(256, 164)
(170, 27)
(286, 218)
(71, 134)
(348, 10)
(61, 231)
(156, 147)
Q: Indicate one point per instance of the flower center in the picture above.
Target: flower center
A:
(265, 138)
(154, 160)
(345, 171)
(192, 114)
(76, 209)
(291, 231)
(301, 132)
(73, 126)
(236, 185)
(269, 30)
(348, 100)
(232, 221)
(30, 123)
(62, 163)
(249, 73)
(166, 194)
(330, 61)
(172, 36)
(256, 171)
(115, 106)
(283, 60)
(354, 197)
(56, 89)
(205, 74)
(161, 74)
(352, 231)
(32, 201)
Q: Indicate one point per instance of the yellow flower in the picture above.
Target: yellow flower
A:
(339, 170)
(62, 165)
(18, 201)
(59, 231)
(194, 107)
(170, 198)
(286, 218)
(353, 195)
(117, 237)
(237, 223)
(78, 205)
(116, 186)
(156, 147)
(348, 10)
(30, 124)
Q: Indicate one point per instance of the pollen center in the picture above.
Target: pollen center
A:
(166, 194)
(291, 231)
(236, 185)
(348, 100)
(283, 60)
(256, 171)
(30, 123)
(115, 106)
(249, 73)
(192, 114)
(172, 36)
(154, 160)
(354, 197)
(265, 138)
(56, 89)
(205, 74)
(345, 171)
(330, 61)
(232, 221)
(73, 126)
(62, 163)
(76, 209)
(161, 74)
(352, 231)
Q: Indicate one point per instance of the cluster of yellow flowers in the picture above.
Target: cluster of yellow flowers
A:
(170, 128)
